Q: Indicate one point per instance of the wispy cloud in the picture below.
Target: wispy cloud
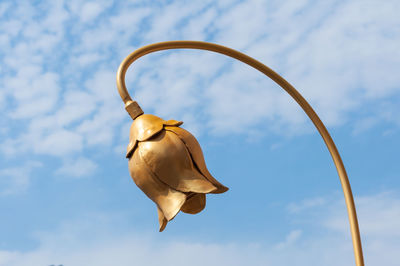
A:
(84, 242)
(16, 179)
(80, 167)
(58, 100)
(59, 62)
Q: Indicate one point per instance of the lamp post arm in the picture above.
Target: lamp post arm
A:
(351, 210)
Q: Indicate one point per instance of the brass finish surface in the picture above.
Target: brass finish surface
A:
(354, 228)
(167, 164)
(133, 109)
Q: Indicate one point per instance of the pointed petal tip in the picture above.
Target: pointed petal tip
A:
(162, 227)
(220, 189)
(161, 219)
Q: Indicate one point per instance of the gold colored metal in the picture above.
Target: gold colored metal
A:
(133, 109)
(167, 164)
(354, 228)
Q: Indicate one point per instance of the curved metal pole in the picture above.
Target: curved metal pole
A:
(351, 209)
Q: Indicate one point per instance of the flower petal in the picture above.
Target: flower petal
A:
(131, 148)
(173, 123)
(195, 151)
(161, 219)
(146, 126)
(167, 199)
(194, 203)
(169, 160)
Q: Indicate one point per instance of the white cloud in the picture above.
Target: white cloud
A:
(85, 59)
(290, 239)
(310, 43)
(84, 242)
(379, 221)
(306, 204)
(168, 19)
(250, 101)
(57, 81)
(80, 167)
(76, 104)
(36, 93)
(16, 179)
(379, 216)
(364, 124)
(3, 7)
(90, 10)
(58, 73)
(58, 143)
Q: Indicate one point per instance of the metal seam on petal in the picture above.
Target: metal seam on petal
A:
(183, 186)
(203, 170)
(146, 126)
(155, 178)
(131, 148)
(177, 210)
(149, 133)
(166, 162)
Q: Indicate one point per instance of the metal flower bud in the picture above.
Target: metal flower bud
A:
(167, 164)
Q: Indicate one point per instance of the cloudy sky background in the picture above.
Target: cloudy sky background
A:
(66, 196)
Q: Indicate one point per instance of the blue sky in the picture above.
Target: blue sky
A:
(66, 196)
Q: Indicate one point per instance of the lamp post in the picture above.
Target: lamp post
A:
(147, 153)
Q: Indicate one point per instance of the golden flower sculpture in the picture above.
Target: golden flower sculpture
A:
(166, 161)
(167, 164)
